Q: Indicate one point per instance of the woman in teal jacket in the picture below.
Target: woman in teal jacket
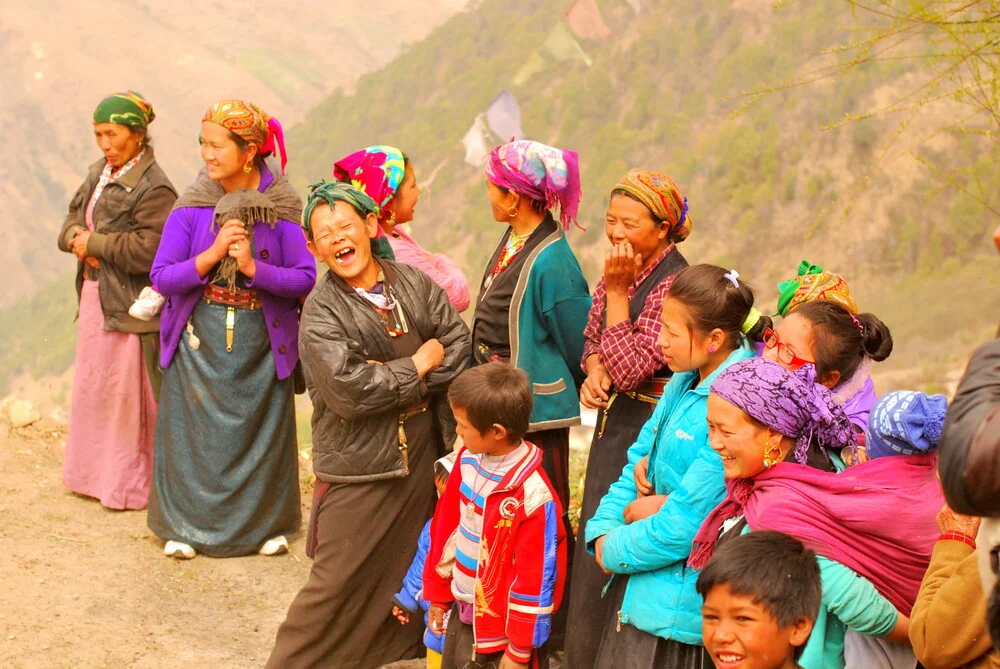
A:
(644, 540)
(533, 300)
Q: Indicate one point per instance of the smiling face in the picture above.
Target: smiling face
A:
(221, 154)
(796, 334)
(630, 221)
(405, 201)
(342, 240)
(118, 143)
(739, 443)
(739, 633)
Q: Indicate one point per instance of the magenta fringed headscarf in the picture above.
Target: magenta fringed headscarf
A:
(539, 172)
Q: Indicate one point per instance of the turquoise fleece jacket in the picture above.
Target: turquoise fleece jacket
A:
(661, 597)
(548, 313)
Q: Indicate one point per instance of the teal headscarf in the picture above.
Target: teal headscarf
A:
(331, 192)
(126, 108)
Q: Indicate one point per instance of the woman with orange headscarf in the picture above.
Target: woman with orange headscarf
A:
(232, 264)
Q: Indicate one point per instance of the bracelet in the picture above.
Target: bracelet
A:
(953, 535)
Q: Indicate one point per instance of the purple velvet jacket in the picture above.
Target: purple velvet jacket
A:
(286, 271)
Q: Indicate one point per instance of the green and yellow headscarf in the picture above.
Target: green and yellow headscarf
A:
(331, 192)
(812, 283)
(127, 108)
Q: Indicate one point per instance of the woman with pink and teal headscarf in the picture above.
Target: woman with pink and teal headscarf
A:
(533, 299)
(386, 175)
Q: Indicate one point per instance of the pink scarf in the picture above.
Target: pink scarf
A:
(876, 518)
(539, 172)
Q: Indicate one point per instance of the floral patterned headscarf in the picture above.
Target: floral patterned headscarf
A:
(252, 124)
(376, 170)
(539, 172)
(662, 197)
(812, 283)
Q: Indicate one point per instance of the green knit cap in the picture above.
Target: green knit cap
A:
(126, 108)
(331, 192)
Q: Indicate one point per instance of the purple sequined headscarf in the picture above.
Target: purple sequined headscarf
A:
(790, 402)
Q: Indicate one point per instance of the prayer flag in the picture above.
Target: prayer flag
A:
(531, 67)
(476, 145)
(561, 45)
(504, 117)
(585, 21)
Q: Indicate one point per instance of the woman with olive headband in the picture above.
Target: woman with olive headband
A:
(233, 264)
(380, 344)
(113, 228)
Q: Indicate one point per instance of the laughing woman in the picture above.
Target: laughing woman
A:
(233, 264)
(380, 344)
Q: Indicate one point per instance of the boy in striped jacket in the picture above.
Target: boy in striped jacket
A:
(498, 548)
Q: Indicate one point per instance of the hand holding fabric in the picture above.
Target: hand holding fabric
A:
(232, 232)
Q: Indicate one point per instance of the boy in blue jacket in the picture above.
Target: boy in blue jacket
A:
(410, 599)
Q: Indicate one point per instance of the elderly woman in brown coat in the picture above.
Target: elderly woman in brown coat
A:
(113, 228)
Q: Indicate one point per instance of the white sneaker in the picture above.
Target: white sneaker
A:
(275, 546)
(147, 306)
(176, 549)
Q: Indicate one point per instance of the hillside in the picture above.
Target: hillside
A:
(767, 186)
(58, 59)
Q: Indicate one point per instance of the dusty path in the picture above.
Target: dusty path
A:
(88, 588)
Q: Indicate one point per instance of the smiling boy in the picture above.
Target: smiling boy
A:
(761, 596)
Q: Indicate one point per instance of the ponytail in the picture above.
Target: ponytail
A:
(841, 340)
(716, 299)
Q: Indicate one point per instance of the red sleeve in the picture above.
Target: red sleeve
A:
(629, 350)
(540, 572)
(595, 323)
(437, 588)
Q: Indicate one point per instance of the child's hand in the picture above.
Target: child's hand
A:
(644, 507)
(435, 618)
(402, 615)
(507, 663)
(639, 474)
(599, 554)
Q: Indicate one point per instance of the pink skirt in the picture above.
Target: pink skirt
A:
(109, 449)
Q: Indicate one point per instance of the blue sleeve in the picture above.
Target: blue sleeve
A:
(666, 537)
(409, 596)
(623, 491)
(854, 600)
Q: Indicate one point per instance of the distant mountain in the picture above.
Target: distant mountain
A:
(58, 59)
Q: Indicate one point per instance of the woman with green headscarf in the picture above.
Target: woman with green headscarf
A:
(380, 344)
(113, 228)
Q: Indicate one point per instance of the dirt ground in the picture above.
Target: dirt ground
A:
(88, 588)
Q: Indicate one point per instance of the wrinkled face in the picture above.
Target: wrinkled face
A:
(405, 200)
(222, 156)
(342, 240)
(682, 348)
(118, 143)
(474, 440)
(629, 221)
(796, 335)
(739, 633)
(500, 202)
(739, 443)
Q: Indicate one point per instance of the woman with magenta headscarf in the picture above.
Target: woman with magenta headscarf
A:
(533, 300)
(767, 424)
(386, 175)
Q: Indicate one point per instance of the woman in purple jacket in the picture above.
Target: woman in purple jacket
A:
(232, 264)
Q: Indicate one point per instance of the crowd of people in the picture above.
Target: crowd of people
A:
(749, 500)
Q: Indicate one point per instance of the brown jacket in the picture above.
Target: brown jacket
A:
(948, 622)
(128, 222)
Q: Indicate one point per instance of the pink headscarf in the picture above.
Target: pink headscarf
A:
(877, 517)
(539, 172)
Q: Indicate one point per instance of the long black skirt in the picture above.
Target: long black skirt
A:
(627, 647)
(608, 456)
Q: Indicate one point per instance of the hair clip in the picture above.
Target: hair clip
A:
(861, 328)
(732, 275)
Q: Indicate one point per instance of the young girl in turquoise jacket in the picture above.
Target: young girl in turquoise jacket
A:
(643, 537)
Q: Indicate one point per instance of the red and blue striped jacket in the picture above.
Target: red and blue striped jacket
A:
(521, 568)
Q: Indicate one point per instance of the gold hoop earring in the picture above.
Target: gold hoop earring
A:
(512, 212)
(771, 448)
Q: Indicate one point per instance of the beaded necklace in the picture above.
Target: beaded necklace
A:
(382, 300)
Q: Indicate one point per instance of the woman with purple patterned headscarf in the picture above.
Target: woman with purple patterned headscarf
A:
(768, 425)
